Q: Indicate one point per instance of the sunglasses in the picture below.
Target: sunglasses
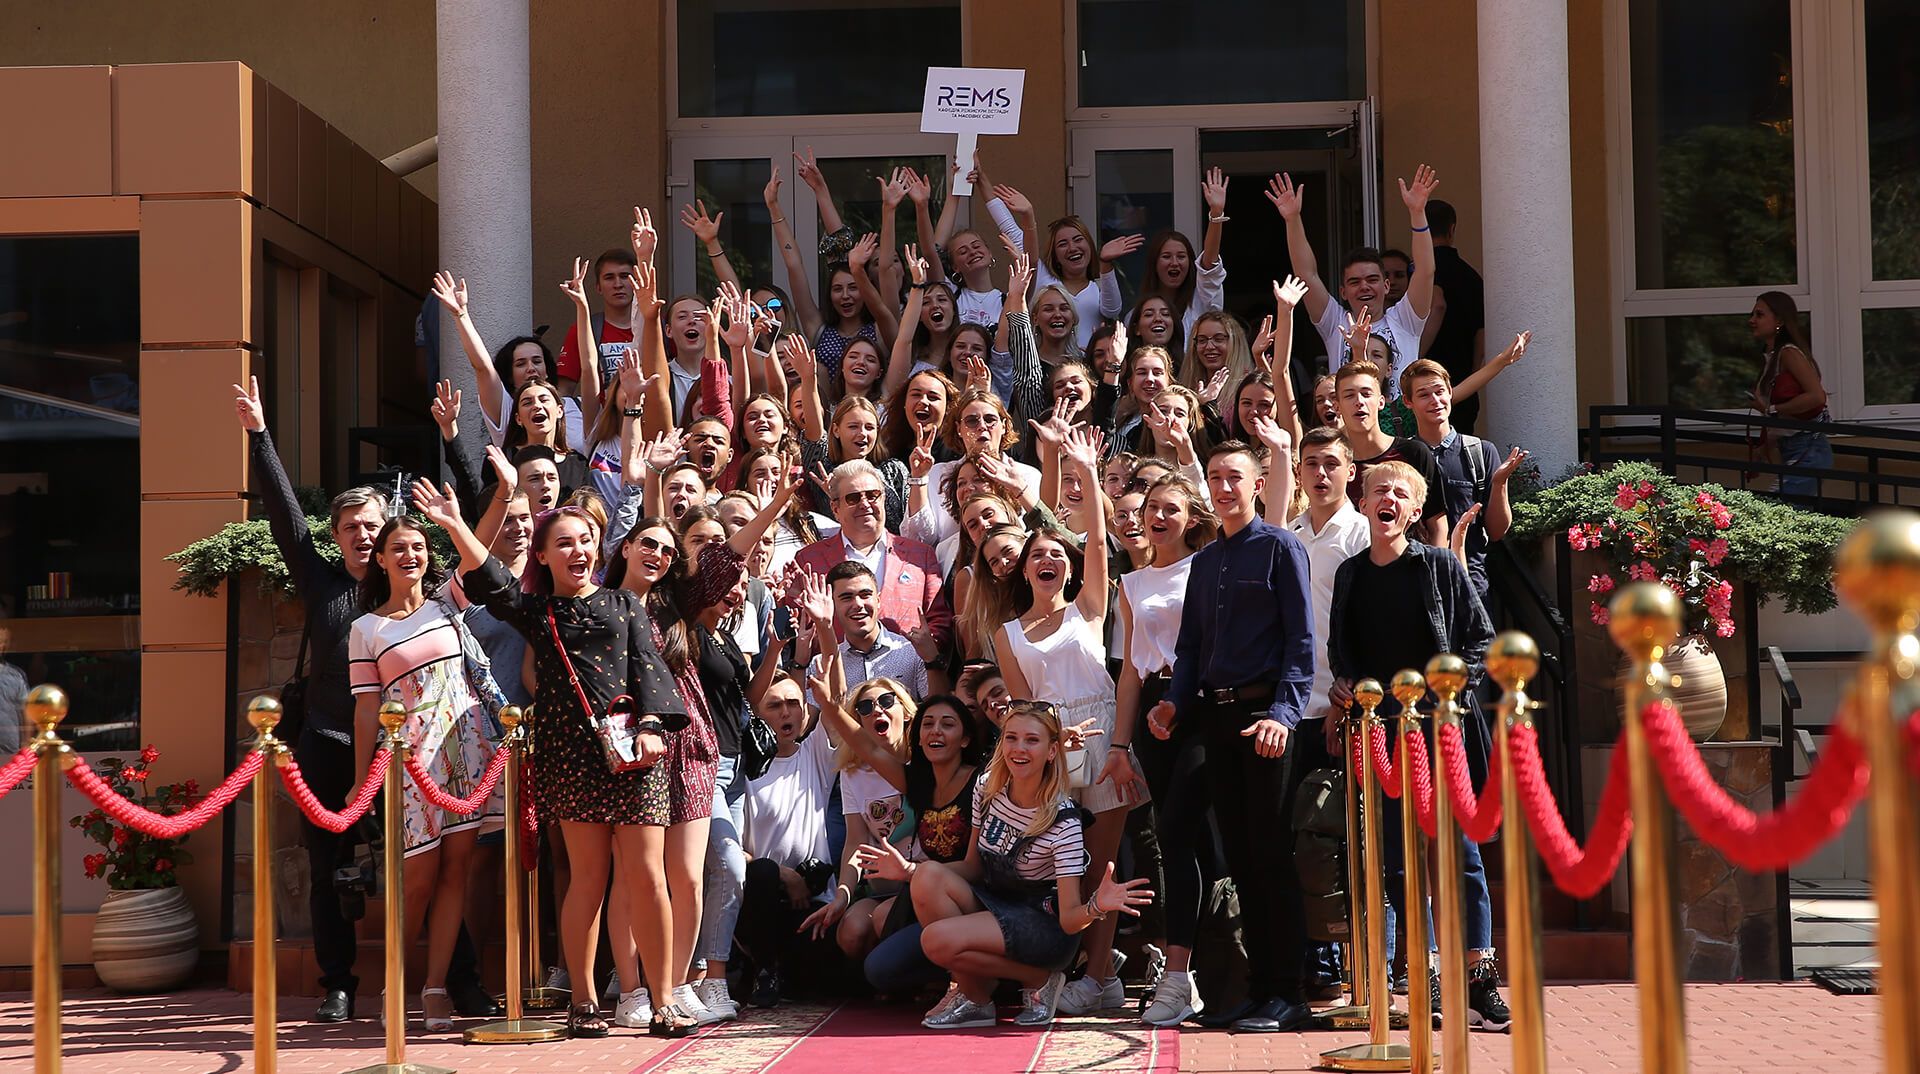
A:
(866, 705)
(655, 545)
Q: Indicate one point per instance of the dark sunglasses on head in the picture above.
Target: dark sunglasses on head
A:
(866, 705)
(1036, 706)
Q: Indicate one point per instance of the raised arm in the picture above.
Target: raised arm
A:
(949, 208)
(575, 288)
(706, 231)
(1049, 436)
(284, 516)
(859, 259)
(1279, 487)
(745, 539)
(1013, 214)
(1499, 503)
(1420, 283)
(886, 267)
(900, 361)
(1213, 188)
(1286, 199)
(1027, 397)
(798, 282)
(1484, 375)
(453, 295)
(1286, 298)
(809, 172)
(807, 367)
(831, 687)
(658, 406)
(1082, 450)
(920, 192)
(443, 510)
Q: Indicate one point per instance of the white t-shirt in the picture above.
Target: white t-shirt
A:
(786, 809)
(576, 426)
(1343, 537)
(978, 307)
(999, 825)
(1155, 596)
(866, 795)
(1401, 328)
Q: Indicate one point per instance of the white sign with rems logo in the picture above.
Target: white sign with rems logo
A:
(971, 101)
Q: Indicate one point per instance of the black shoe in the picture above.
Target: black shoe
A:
(1433, 997)
(766, 988)
(1485, 1008)
(1224, 1017)
(1274, 1016)
(472, 1001)
(336, 1006)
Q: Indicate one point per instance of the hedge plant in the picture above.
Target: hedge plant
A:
(239, 547)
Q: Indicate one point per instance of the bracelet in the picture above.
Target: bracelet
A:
(917, 482)
(652, 727)
(1128, 746)
(780, 220)
(717, 252)
(1093, 908)
(1418, 230)
(661, 470)
(1221, 219)
(921, 286)
(632, 412)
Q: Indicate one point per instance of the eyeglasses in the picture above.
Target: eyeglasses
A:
(863, 496)
(980, 421)
(1218, 339)
(1123, 515)
(866, 705)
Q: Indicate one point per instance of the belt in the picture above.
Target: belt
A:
(1251, 693)
(1163, 675)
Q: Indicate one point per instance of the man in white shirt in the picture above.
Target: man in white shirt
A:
(1363, 279)
(1333, 531)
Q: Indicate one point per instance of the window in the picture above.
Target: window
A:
(1706, 362)
(1169, 52)
(811, 57)
(1893, 140)
(69, 483)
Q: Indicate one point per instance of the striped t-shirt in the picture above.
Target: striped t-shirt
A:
(1059, 851)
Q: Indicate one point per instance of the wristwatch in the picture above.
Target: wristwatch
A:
(632, 412)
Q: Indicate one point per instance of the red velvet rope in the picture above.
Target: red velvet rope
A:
(1580, 872)
(160, 826)
(21, 766)
(1423, 804)
(1479, 817)
(1755, 842)
(320, 815)
(469, 805)
(1384, 769)
(1913, 745)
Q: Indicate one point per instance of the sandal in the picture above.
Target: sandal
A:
(585, 1020)
(671, 1020)
(435, 1017)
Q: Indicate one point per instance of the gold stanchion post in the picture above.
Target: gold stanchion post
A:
(534, 993)
(1645, 620)
(263, 713)
(1408, 688)
(515, 1029)
(1878, 573)
(393, 801)
(1513, 661)
(1447, 675)
(1379, 1053)
(46, 707)
(1353, 1014)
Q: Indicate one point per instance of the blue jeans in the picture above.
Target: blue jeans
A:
(898, 964)
(726, 873)
(1476, 902)
(1810, 449)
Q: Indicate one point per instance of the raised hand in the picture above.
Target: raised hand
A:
(1512, 463)
(1285, 196)
(452, 295)
(1457, 535)
(1082, 447)
(1415, 196)
(1210, 391)
(1356, 332)
(1019, 278)
(1120, 343)
(1115, 249)
(1263, 344)
(1118, 770)
(1271, 434)
(819, 476)
(816, 600)
(695, 219)
(1055, 429)
(437, 504)
(446, 409)
(642, 235)
(246, 406)
(808, 170)
(917, 267)
(920, 462)
(892, 190)
(1127, 898)
(996, 469)
(1288, 295)
(633, 386)
(665, 449)
(771, 194)
(738, 322)
(883, 861)
(919, 187)
(1213, 188)
(922, 639)
(1016, 202)
(800, 358)
(646, 290)
(863, 251)
(575, 286)
(503, 471)
(974, 373)
(1518, 350)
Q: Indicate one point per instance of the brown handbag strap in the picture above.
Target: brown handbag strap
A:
(586, 707)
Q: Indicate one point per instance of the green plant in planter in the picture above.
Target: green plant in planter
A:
(132, 860)
(239, 547)
(1775, 549)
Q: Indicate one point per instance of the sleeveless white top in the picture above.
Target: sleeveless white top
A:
(1067, 665)
(1155, 596)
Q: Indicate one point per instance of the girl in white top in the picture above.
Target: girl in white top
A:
(1178, 523)
(1055, 651)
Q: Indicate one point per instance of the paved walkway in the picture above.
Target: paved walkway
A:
(1738, 1027)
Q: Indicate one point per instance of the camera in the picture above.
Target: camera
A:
(356, 877)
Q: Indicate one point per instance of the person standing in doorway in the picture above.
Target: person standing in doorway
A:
(1459, 305)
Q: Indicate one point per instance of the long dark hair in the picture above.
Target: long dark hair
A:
(539, 576)
(1180, 297)
(675, 637)
(375, 590)
(897, 435)
(1022, 590)
(1786, 317)
(797, 516)
(516, 434)
(973, 753)
(503, 362)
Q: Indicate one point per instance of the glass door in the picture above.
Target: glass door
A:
(728, 175)
(1135, 181)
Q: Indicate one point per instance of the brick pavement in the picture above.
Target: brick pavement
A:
(1796, 1028)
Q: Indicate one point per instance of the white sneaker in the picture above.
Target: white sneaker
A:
(689, 1001)
(1087, 995)
(713, 993)
(1042, 1002)
(1175, 999)
(635, 1011)
(1156, 963)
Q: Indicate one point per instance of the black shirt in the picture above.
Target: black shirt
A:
(723, 679)
(1388, 626)
(1466, 316)
(1416, 454)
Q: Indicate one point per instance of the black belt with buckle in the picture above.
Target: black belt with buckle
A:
(1163, 675)
(1260, 693)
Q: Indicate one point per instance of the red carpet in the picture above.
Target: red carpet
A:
(817, 1040)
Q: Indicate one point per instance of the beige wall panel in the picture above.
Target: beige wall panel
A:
(416, 257)
(169, 617)
(189, 441)
(183, 128)
(68, 216)
(65, 114)
(365, 186)
(1030, 36)
(183, 709)
(1430, 112)
(194, 257)
(281, 190)
(311, 211)
(337, 226)
(386, 222)
(365, 65)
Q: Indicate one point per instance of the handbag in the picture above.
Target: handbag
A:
(618, 729)
(293, 695)
(477, 666)
(758, 747)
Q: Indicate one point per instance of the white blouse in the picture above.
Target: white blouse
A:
(1155, 596)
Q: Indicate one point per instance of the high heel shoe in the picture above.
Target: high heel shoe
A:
(671, 1020)
(431, 1021)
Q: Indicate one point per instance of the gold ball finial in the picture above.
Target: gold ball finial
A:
(46, 707)
(1368, 693)
(510, 717)
(1447, 674)
(392, 715)
(1643, 617)
(1513, 659)
(263, 714)
(1409, 686)
(1877, 569)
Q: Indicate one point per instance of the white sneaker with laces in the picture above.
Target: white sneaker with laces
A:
(713, 994)
(689, 1001)
(635, 1010)
(1175, 999)
(1042, 1002)
(1087, 995)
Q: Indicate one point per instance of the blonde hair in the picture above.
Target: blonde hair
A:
(1053, 777)
(1395, 470)
(1239, 353)
(848, 760)
(840, 410)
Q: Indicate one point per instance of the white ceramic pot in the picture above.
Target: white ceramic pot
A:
(145, 941)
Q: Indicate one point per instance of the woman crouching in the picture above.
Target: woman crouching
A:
(1011, 909)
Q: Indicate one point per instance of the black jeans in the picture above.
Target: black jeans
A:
(1176, 775)
(768, 931)
(1249, 798)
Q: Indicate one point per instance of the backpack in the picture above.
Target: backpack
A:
(1219, 955)
(1320, 854)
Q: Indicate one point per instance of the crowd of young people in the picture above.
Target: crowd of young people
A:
(915, 637)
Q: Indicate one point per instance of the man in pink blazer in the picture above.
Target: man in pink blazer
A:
(908, 571)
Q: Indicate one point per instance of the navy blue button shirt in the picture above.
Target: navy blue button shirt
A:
(1248, 620)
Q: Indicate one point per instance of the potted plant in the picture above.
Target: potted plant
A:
(145, 937)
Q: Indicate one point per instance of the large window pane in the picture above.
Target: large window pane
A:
(812, 57)
(1893, 138)
(1892, 368)
(1713, 171)
(1165, 52)
(733, 191)
(70, 482)
(1135, 198)
(855, 182)
(1703, 362)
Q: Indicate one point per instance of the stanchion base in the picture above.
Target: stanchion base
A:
(1391, 1057)
(401, 1068)
(515, 1031)
(544, 999)
(1352, 1017)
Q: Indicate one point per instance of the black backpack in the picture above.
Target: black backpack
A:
(1320, 853)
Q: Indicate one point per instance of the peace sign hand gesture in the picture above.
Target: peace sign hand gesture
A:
(575, 286)
(1074, 736)
(917, 267)
(920, 461)
(446, 409)
(642, 235)
(246, 404)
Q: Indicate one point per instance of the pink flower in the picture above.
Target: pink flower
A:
(1626, 497)
(1643, 572)
(1600, 583)
(137, 775)
(162, 865)
(1644, 490)
(1600, 615)
(95, 864)
(1716, 551)
(1715, 510)
(149, 754)
(121, 835)
(1583, 537)
(191, 788)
